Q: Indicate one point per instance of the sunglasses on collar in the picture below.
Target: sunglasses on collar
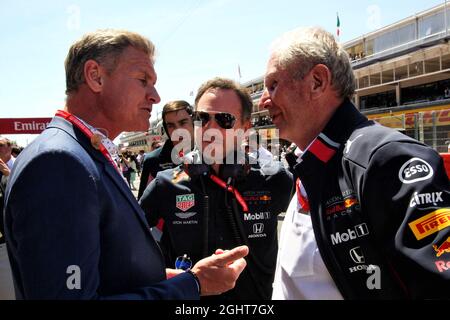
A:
(225, 120)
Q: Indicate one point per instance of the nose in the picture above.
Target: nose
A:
(265, 100)
(153, 96)
(211, 124)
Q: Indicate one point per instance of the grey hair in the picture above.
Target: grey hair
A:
(303, 48)
(105, 47)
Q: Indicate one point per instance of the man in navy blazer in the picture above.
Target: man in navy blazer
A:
(73, 228)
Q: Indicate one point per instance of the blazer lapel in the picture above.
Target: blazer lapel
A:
(115, 176)
(123, 187)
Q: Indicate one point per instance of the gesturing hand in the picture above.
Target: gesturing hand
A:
(219, 272)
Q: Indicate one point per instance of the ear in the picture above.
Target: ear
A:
(320, 77)
(93, 73)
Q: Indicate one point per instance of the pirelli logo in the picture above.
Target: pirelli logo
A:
(431, 223)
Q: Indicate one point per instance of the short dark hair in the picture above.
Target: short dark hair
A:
(176, 105)
(16, 150)
(172, 106)
(227, 84)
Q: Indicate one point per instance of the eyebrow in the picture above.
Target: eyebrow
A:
(146, 71)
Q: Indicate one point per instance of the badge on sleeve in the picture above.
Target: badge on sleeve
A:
(415, 170)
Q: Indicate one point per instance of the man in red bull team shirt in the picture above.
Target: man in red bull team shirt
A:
(371, 218)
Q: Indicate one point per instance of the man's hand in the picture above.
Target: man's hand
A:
(219, 272)
(4, 168)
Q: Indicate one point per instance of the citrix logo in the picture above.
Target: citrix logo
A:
(425, 198)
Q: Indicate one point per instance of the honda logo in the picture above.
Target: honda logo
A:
(258, 227)
(357, 255)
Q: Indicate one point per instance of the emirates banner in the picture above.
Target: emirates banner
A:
(23, 125)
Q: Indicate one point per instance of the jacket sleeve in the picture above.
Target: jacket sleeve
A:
(405, 191)
(53, 225)
(283, 187)
(288, 190)
(150, 201)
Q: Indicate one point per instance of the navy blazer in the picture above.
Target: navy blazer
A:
(67, 207)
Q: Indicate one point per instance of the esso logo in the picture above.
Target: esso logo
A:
(415, 170)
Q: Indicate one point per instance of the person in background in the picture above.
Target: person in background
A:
(124, 165)
(6, 280)
(6, 165)
(175, 115)
(15, 151)
(257, 151)
(132, 163)
(139, 161)
(446, 93)
(6, 152)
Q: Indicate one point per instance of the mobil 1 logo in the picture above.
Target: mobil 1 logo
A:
(357, 231)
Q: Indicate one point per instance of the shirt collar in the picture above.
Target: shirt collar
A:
(299, 152)
(107, 143)
(335, 133)
(10, 162)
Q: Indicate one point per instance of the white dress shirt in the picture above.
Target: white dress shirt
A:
(300, 272)
(10, 162)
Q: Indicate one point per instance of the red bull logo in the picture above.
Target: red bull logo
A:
(443, 248)
(341, 206)
(350, 202)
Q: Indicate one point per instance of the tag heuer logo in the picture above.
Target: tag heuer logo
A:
(185, 201)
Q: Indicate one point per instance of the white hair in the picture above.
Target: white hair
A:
(303, 48)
